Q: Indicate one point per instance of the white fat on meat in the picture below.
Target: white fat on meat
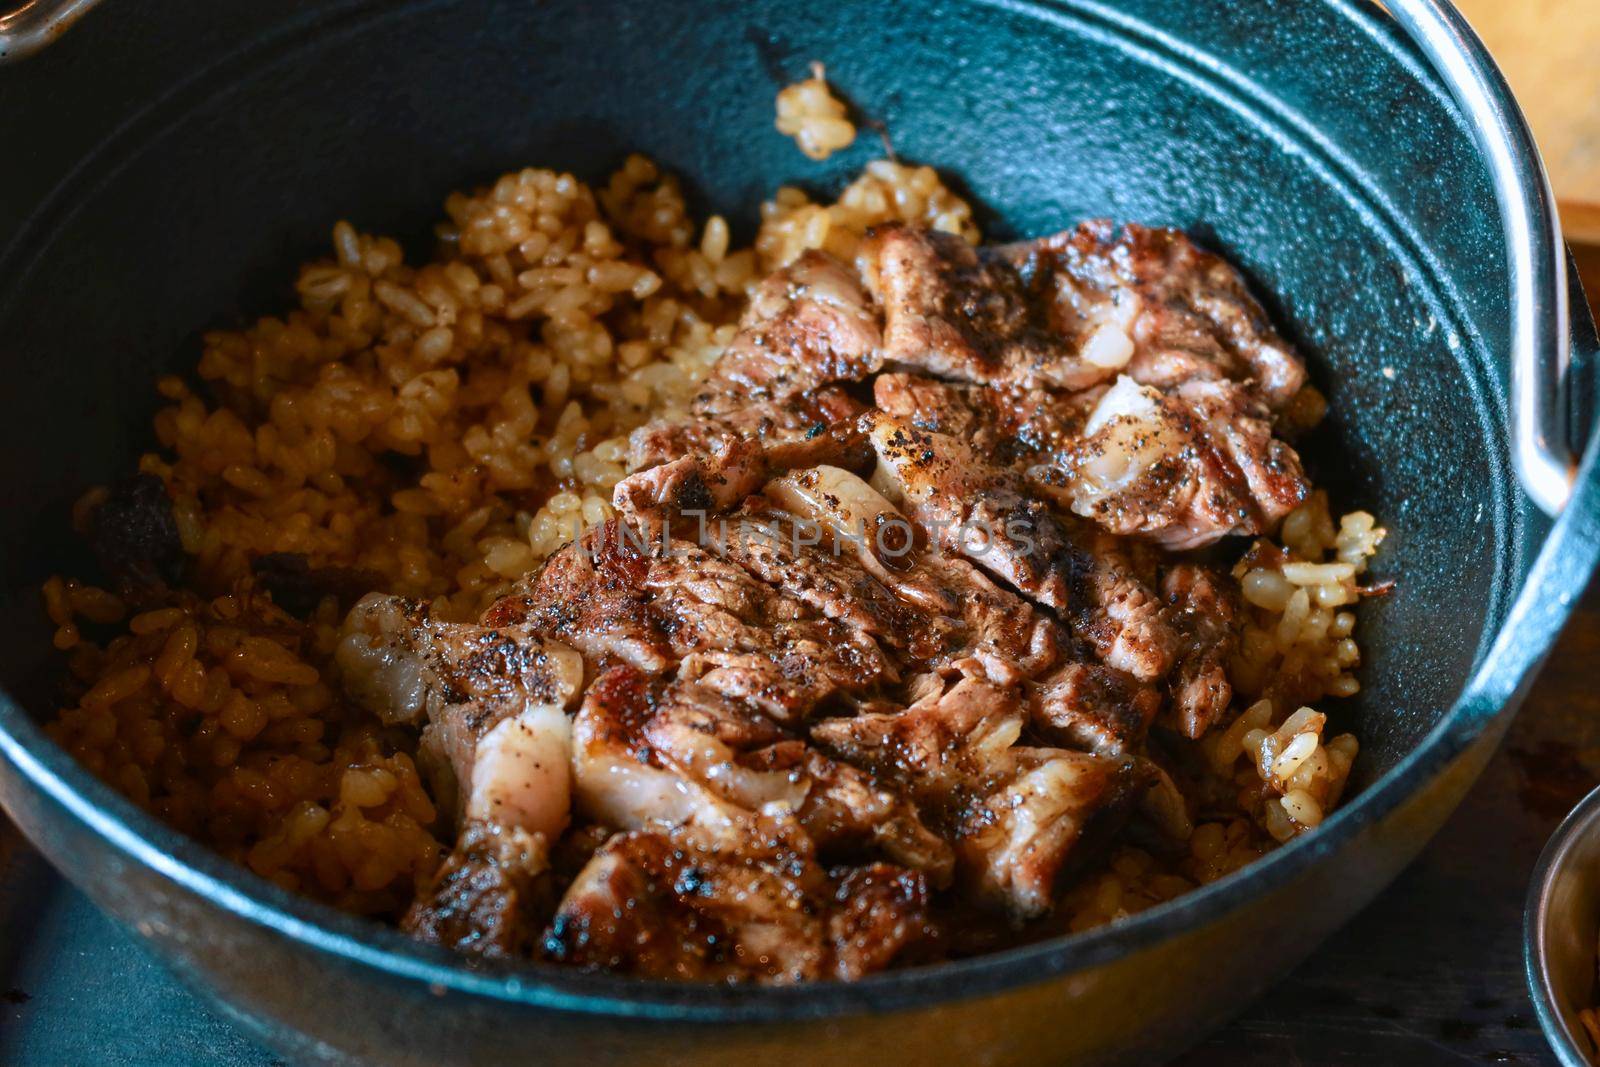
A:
(615, 783)
(521, 772)
(379, 662)
(849, 509)
(1133, 434)
(492, 697)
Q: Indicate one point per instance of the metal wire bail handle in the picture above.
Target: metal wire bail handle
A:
(33, 25)
(1541, 451)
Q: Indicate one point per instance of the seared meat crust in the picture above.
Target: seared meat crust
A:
(487, 899)
(807, 325)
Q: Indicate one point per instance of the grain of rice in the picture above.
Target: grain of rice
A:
(814, 117)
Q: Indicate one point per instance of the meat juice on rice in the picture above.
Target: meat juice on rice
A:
(438, 430)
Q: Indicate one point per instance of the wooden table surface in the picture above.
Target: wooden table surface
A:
(1431, 973)
(1547, 49)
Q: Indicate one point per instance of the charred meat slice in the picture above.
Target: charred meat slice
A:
(946, 749)
(807, 325)
(493, 698)
(1151, 304)
(695, 486)
(970, 507)
(1015, 813)
(1183, 469)
(621, 781)
(1204, 608)
(591, 595)
(980, 511)
(1014, 427)
(655, 905)
(791, 557)
(954, 313)
(1116, 609)
(938, 609)
(746, 639)
(849, 814)
(1094, 708)
(795, 419)
(490, 895)
(706, 618)
(880, 911)
(676, 755)
(1026, 833)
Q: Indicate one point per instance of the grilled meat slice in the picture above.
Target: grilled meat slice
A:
(1026, 833)
(1182, 469)
(662, 905)
(1115, 607)
(748, 761)
(688, 611)
(1015, 813)
(1014, 427)
(970, 507)
(953, 312)
(945, 749)
(807, 325)
(1072, 310)
(980, 511)
(657, 905)
(489, 896)
(677, 755)
(695, 486)
(590, 594)
(1149, 303)
(879, 912)
(1180, 451)
(621, 781)
(940, 609)
(1094, 708)
(847, 813)
(746, 639)
(493, 697)
(794, 419)
(791, 557)
(1204, 606)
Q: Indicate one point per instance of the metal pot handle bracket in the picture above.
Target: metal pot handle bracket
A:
(1540, 355)
(1541, 450)
(26, 29)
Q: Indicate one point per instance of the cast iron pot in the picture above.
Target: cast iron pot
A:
(164, 169)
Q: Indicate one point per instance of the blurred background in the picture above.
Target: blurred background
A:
(1549, 51)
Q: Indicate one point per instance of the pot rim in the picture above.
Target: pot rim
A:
(1541, 606)
(1582, 821)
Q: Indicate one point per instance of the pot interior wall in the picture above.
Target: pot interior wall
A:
(1373, 242)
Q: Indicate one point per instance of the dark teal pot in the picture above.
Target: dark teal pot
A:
(164, 165)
